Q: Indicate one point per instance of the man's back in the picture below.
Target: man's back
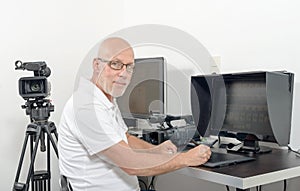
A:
(85, 170)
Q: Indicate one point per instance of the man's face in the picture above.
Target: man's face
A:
(114, 82)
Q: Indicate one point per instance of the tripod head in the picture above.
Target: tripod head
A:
(38, 109)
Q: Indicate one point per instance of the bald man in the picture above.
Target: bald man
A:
(95, 150)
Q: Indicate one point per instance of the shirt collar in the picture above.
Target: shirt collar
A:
(97, 94)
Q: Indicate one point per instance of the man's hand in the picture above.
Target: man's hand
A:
(167, 147)
(197, 155)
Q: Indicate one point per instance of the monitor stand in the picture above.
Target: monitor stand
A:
(250, 143)
(251, 147)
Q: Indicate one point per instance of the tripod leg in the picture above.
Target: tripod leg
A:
(33, 155)
(41, 179)
(32, 130)
(52, 142)
(52, 129)
(21, 158)
(31, 151)
(48, 158)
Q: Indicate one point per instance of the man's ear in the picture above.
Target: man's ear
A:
(96, 67)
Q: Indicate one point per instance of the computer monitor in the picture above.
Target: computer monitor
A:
(146, 91)
(252, 107)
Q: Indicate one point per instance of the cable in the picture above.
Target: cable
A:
(227, 188)
(258, 188)
(151, 185)
(143, 182)
(284, 184)
(297, 152)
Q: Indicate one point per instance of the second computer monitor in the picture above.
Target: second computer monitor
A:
(252, 106)
(146, 91)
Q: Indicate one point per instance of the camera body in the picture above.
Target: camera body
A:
(36, 87)
(180, 136)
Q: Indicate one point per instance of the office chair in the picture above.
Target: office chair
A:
(65, 184)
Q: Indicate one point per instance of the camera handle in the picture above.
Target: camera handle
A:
(39, 179)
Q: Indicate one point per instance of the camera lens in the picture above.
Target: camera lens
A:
(35, 87)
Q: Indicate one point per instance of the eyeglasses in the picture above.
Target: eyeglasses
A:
(118, 65)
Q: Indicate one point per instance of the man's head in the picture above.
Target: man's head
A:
(112, 70)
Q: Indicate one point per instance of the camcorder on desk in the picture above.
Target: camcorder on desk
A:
(180, 136)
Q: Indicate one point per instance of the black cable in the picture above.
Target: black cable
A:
(284, 185)
(290, 149)
(151, 185)
(227, 188)
(143, 182)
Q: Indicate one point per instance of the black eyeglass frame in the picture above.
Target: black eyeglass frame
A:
(110, 63)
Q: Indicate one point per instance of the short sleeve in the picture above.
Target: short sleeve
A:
(94, 124)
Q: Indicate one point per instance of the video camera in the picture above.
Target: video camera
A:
(180, 136)
(34, 90)
(36, 87)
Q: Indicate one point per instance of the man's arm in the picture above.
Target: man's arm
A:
(143, 163)
(136, 143)
(179, 160)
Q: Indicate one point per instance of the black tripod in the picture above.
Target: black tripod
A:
(39, 111)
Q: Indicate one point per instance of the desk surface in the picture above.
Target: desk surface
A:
(267, 168)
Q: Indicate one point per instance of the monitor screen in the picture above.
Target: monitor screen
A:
(246, 108)
(258, 104)
(145, 93)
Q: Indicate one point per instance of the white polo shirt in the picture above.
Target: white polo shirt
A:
(90, 123)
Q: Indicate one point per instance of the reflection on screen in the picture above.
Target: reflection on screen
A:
(246, 107)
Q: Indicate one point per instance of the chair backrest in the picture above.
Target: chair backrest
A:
(65, 184)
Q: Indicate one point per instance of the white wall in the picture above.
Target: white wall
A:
(59, 32)
(248, 35)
